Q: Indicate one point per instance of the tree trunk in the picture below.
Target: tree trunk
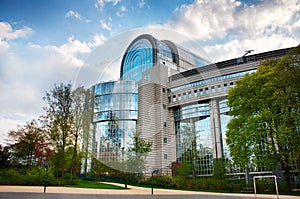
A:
(74, 158)
(287, 177)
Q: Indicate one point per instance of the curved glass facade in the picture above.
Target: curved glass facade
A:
(115, 116)
(138, 58)
(115, 101)
(146, 51)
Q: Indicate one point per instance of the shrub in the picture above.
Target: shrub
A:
(26, 176)
(166, 181)
(10, 176)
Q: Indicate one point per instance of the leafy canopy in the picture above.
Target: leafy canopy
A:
(265, 108)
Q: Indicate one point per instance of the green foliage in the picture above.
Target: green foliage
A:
(265, 106)
(26, 176)
(136, 157)
(165, 181)
(59, 120)
(27, 144)
(185, 169)
(219, 169)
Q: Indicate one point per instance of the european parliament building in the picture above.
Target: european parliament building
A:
(174, 99)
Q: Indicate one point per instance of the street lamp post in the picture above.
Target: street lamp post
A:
(152, 180)
(46, 177)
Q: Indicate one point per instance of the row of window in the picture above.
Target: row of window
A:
(115, 115)
(116, 87)
(201, 92)
(210, 80)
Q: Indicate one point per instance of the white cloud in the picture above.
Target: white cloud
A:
(122, 10)
(3, 46)
(106, 25)
(101, 3)
(97, 40)
(7, 32)
(28, 71)
(76, 15)
(204, 19)
(228, 28)
(73, 47)
(141, 4)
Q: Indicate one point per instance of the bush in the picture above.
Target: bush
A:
(10, 177)
(165, 181)
(26, 176)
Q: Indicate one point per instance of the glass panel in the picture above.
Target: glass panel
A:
(138, 59)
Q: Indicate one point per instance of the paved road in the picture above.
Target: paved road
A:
(31, 192)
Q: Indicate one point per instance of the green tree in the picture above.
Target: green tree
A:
(26, 144)
(81, 113)
(59, 121)
(265, 107)
(4, 156)
(137, 153)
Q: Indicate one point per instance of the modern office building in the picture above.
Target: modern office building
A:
(174, 98)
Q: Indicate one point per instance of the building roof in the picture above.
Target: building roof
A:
(232, 62)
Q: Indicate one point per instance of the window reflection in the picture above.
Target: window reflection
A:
(194, 137)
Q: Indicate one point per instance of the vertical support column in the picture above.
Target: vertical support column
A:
(215, 129)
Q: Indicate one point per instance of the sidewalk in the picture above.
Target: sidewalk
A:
(132, 190)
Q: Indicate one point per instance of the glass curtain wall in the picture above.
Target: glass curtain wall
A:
(138, 59)
(115, 115)
(194, 138)
(224, 118)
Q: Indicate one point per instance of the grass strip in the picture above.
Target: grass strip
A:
(93, 185)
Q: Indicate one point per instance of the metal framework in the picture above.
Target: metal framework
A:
(272, 176)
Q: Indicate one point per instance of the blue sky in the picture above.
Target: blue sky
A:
(47, 42)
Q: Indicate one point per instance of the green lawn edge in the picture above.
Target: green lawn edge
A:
(92, 185)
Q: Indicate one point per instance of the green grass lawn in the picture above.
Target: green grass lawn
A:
(93, 185)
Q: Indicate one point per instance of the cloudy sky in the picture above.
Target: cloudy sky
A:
(81, 41)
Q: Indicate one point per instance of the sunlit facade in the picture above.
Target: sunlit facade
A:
(114, 118)
(175, 99)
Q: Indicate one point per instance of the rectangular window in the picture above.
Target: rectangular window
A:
(184, 96)
(225, 87)
(206, 91)
(195, 93)
(219, 88)
(164, 106)
(165, 124)
(165, 140)
(169, 98)
(212, 89)
(174, 98)
(165, 156)
(179, 97)
(163, 90)
(190, 94)
(201, 92)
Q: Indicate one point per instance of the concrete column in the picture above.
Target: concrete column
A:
(215, 129)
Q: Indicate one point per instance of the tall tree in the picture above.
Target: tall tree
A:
(59, 119)
(27, 141)
(82, 118)
(265, 106)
